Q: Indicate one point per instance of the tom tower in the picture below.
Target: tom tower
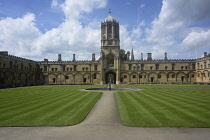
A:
(110, 47)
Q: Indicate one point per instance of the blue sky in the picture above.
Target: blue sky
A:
(38, 29)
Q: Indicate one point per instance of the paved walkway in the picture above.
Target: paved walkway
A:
(103, 123)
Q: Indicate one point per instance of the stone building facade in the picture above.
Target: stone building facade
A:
(16, 71)
(203, 69)
(109, 67)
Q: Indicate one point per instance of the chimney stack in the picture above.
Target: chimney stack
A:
(205, 54)
(59, 58)
(45, 60)
(149, 56)
(74, 59)
(166, 58)
(93, 57)
(141, 56)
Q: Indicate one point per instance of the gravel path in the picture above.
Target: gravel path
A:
(103, 123)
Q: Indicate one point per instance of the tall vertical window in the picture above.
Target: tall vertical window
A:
(193, 66)
(150, 67)
(130, 66)
(173, 66)
(10, 64)
(45, 68)
(142, 66)
(94, 76)
(157, 66)
(95, 67)
(75, 67)
(21, 66)
(204, 65)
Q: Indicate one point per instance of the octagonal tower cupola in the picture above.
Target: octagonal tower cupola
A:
(110, 32)
(110, 18)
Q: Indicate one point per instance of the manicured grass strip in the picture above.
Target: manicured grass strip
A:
(164, 86)
(165, 106)
(46, 105)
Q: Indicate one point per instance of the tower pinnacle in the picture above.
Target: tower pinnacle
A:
(132, 55)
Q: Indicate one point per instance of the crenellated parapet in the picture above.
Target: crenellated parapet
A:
(8, 56)
(70, 62)
(160, 61)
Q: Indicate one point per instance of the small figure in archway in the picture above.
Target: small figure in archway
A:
(110, 81)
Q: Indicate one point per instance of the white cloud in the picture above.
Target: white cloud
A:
(130, 38)
(21, 37)
(158, 52)
(186, 11)
(69, 38)
(174, 23)
(54, 3)
(136, 33)
(18, 34)
(74, 8)
(171, 32)
(199, 39)
(142, 5)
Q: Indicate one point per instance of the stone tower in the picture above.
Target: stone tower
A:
(110, 46)
(110, 33)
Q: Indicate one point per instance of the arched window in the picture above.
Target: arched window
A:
(110, 60)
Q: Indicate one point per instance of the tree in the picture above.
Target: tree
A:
(123, 55)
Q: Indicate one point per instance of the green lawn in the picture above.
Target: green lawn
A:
(46, 105)
(165, 106)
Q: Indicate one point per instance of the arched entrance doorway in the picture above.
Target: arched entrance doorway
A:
(152, 79)
(110, 75)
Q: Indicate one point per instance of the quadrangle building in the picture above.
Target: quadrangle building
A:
(16, 71)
